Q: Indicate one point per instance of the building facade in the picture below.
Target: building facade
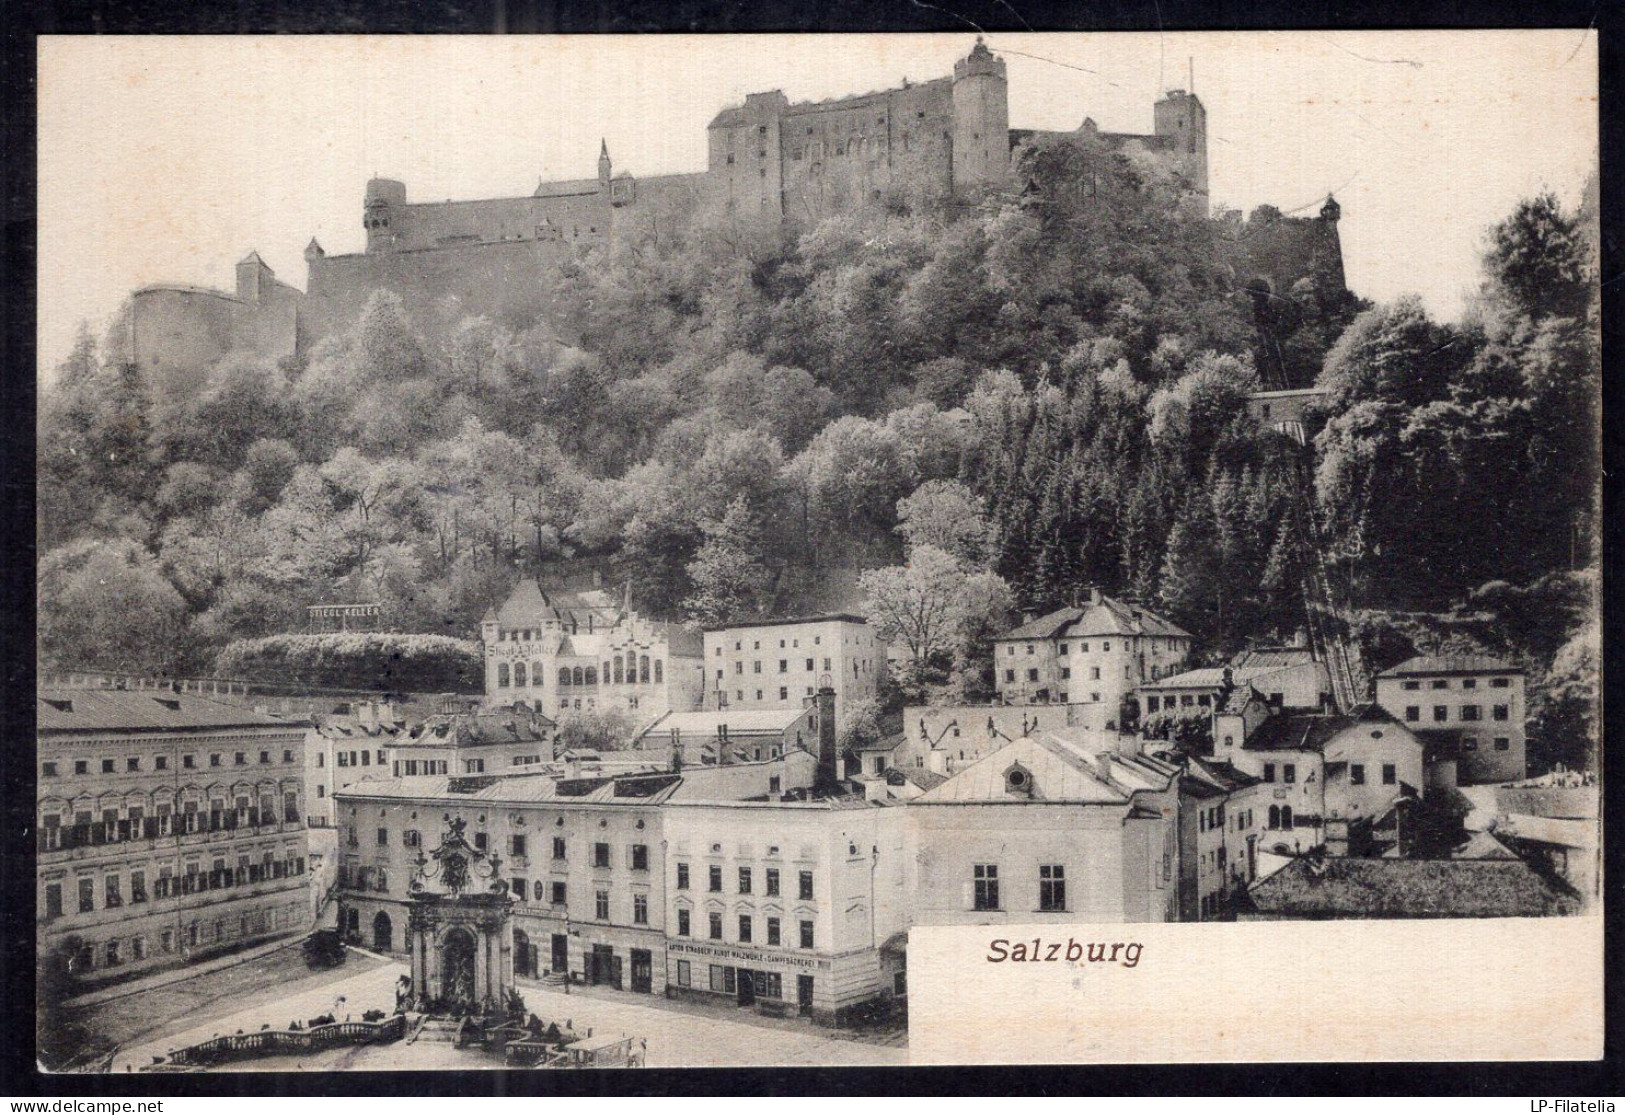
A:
(171, 827)
(785, 905)
(1097, 653)
(1482, 698)
(586, 652)
(1043, 831)
(780, 663)
(493, 741)
(689, 739)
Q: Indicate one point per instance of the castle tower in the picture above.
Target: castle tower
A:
(603, 164)
(981, 133)
(1329, 264)
(253, 278)
(1181, 118)
(383, 213)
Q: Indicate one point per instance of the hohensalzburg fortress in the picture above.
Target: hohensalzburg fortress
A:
(772, 164)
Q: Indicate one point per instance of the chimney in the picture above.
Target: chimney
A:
(366, 714)
(572, 766)
(828, 775)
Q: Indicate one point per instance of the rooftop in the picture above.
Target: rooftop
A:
(1351, 887)
(1432, 665)
(1295, 732)
(786, 621)
(1103, 616)
(1060, 771)
(1212, 677)
(113, 710)
(709, 722)
(1273, 657)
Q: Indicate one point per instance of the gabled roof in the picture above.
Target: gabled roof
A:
(1298, 732)
(479, 729)
(1104, 617)
(1211, 677)
(115, 710)
(1272, 658)
(1433, 665)
(529, 606)
(1060, 770)
(1353, 887)
(1223, 775)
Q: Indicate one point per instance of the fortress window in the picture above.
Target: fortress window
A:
(730, 160)
(919, 116)
(761, 129)
(795, 155)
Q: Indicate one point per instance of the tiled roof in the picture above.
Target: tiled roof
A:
(1210, 677)
(1105, 617)
(1569, 832)
(1224, 775)
(477, 729)
(1353, 887)
(924, 779)
(91, 710)
(1273, 658)
(1295, 732)
(786, 621)
(1439, 744)
(1424, 665)
(528, 606)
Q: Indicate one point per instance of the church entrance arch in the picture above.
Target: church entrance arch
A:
(383, 932)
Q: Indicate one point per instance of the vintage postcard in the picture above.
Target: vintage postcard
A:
(702, 551)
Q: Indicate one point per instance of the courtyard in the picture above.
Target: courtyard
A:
(678, 1035)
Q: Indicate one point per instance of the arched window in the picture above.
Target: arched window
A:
(631, 667)
(1286, 816)
(536, 674)
(519, 675)
(564, 675)
(618, 677)
(502, 674)
(1275, 816)
(657, 671)
(643, 669)
(592, 675)
(382, 932)
(605, 674)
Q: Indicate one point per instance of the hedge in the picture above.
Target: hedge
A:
(358, 660)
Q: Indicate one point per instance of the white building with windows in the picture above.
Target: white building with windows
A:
(779, 663)
(1349, 769)
(1043, 830)
(1099, 653)
(1481, 698)
(170, 828)
(786, 905)
(587, 652)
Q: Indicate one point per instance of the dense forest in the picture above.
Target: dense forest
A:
(947, 415)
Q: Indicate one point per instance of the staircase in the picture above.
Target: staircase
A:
(1328, 631)
(442, 1030)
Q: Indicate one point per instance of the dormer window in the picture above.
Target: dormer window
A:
(1018, 780)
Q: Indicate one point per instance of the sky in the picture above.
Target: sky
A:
(166, 160)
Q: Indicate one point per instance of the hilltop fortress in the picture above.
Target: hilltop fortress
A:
(771, 164)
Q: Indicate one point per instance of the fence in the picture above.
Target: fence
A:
(274, 1043)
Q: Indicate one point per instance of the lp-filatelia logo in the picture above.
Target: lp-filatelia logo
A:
(1571, 1107)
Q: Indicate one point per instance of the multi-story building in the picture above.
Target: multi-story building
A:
(170, 827)
(1217, 836)
(1098, 653)
(779, 663)
(686, 739)
(586, 651)
(1350, 769)
(584, 856)
(789, 905)
(493, 741)
(1482, 698)
(1043, 830)
(343, 747)
(1289, 678)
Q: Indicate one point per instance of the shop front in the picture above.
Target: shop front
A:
(755, 979)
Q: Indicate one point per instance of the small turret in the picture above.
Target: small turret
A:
(253, 277)
(603, 164)
(313, 250)
(382, 212)
(1331, 211)
(981, 136)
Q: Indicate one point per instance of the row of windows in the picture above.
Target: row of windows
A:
(133, 765)
(1066, 675)
(746, 881)
(168, 885)
(985, 894)
(633, 670)
(1441, 713)
(795, 644)
(1466, 683)
(784, 666)
(745, 925)
(117, 952)
(361, 758)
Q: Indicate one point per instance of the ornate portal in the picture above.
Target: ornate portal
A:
(461, 929)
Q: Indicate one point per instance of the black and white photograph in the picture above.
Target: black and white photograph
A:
(563, 552)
